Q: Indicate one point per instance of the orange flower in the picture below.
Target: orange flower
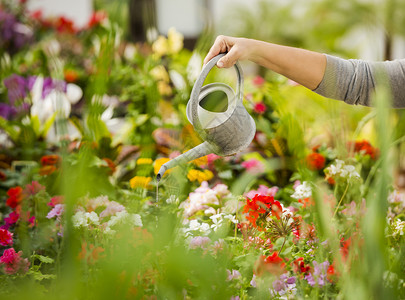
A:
(47, 170)
(272, 264)
(71, 75)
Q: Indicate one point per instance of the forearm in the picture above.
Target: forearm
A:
(302, 66)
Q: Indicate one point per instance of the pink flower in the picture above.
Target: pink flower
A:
(10, 220)
(233, 275)
(174, 154)
(57, 211)
(263, 191)
(111, 209)
(6, 237)
(199, 242)
(260, 108)
(34, 188)
(253, 166)
(258, 81)
(13, 262)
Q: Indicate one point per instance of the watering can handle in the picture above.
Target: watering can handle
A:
(199, 83)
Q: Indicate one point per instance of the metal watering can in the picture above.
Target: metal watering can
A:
(227, 129)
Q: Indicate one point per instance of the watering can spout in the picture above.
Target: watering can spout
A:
(197, 152)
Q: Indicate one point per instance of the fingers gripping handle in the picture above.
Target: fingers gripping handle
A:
(199, 83)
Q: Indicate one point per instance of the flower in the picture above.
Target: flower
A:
(57, 211)
(259, 208)
(175, 40)
(16, 88)
(262, 190)
(6, 237)
(364, 147)
(199, 242)
(50, 160)
(13, 262)
(272, 264)
(302, 191)
(140, 181)
(318, 276)
(144, 161)
(342, 170)
(158, 164)
(84, 219)
(201, 176)
(234, 274)
(56, 200)
(398, 228)
(260, 108)
(97, 18)
(15, 197)
(300, 267)
(316, 161)
(12, 218)
(253, 166)
(70, 75)
(258, 81)
(34, 188)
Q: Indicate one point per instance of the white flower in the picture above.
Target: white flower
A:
(231, 218)
(79, 219)
(217, 221)
(136, 220)
(172, 199)
(302, 191)
(342, 170)
(194, 67)
(92, 218)
(398, 227)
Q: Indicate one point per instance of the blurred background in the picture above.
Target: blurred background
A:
(367, 29)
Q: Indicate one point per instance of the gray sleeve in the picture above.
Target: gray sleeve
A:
(354, 80)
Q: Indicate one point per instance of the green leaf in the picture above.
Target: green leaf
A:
(44, 259)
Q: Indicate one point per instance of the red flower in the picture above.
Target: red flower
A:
(258, 208)
(50, 160)
(365, 148)
(307, 202)
(299, 266)
(64, 24)
(6, 237)
(344, 247)
(258, 81)
(13, 262)
(56, 200)
(331, 273)
(260, 108)
(96, 18)
(15, 196)
(316, 161)
(272, 264)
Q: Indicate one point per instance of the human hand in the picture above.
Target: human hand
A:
(236, 49)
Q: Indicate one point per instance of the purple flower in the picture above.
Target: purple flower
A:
(319, 275)
(16, 87)
(278, 285)
(13, 35)
(47, 87)
(7, 111)
(31, 81)
(253, 281)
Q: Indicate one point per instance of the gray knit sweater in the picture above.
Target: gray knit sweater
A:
(354, 81)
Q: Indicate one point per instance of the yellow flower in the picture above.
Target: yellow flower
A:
(175, 40)
(160, 73)
(144, 161)
(160, 46)
(159, 162)
(140, 181)
(164, 88)
(201, 176)
(201, 161)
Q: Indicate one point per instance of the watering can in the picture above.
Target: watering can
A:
(225, 126)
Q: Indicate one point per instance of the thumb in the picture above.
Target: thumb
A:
(229, 59)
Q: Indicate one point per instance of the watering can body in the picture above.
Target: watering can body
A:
(224, 132)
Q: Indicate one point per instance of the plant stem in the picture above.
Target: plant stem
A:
(282, 246)
(344, 194)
